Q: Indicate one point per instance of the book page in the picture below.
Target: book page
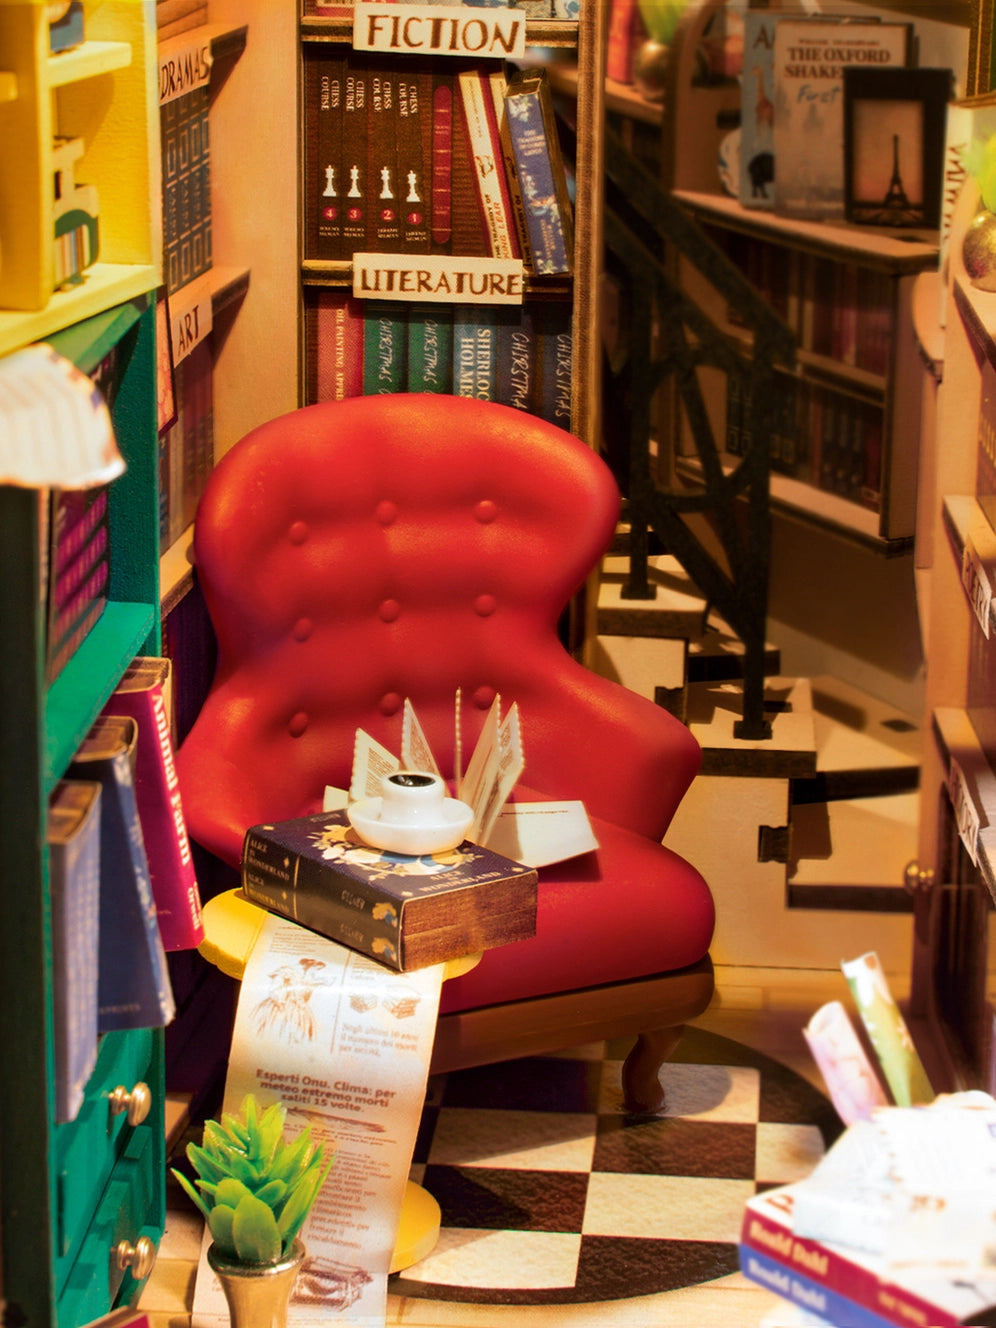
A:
(483, 767)
(416, 754)
(345, 1044)
(540, 833)
(371, 762)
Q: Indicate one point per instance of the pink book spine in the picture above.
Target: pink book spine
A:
(160, 809)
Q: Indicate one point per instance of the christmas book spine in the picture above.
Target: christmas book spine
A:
(74, 887)
(133, 986)
(430, 348)
(405, 912)
(141, 696)
(385, 347)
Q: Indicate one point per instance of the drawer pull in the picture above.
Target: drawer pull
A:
(137, 1103)
(138, 1257)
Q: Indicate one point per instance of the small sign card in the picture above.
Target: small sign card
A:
(491, 32)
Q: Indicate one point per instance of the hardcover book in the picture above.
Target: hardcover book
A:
(133, 985)
(324, 173)
(847, 1279)
(810, 57)
(355, 128)
(74, 889)
(334, 342)
(186, 187)
(517, 358)
(404, 912)
(383, 197)
(555, 363)
(475, 351)
(385, 347)
(413, 160)
(539, 166)
(484, 137)
(430, 348)
(141, 695)
(77, 571)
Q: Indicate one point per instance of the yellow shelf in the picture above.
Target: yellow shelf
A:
(86, 61)
(105, 285)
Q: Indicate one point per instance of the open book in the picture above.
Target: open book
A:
(534, 833)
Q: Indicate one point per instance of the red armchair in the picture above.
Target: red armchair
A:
(355, 553)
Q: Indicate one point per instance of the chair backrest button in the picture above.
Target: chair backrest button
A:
(298, 724)
(485, 605)
(485, 511)
(389, 610)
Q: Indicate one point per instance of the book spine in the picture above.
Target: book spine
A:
(383, 210)
(430, 348)
(77, 609)
(621, 43)
(765, 1235)
(334, 326)
(324, 189)
(160, 810)
(441, 140)
(77, 515)
(468, 228)
(498, 84)
(354, 137)
(74, 886)
(517, 358)
(542, 179)
(488, 162)
(475, 352)
(314, 894)
(64, 650)
(829, 1306)
(385, 348)
(555, 370)
(136, 993)
(413, 176)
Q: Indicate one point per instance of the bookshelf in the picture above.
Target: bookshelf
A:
(956, 571)
(576, 297)
(81, 1202)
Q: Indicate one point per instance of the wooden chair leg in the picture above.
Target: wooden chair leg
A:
(643, 1092)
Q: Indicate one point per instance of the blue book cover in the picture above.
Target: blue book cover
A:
(825, 1303)
(133, 988)
(74, 888)
(555, 373)
(532, 130)
(406, 912)
(518, 358)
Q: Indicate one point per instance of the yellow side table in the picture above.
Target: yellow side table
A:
(231, 925)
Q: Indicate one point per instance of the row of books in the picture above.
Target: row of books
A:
(519, 356)
(828, 439)
(186, 448)
(838, 309)
(76, 551)
(186, 186)
(122, 882)
(445, 157)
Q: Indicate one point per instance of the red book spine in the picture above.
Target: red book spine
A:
(771, 1234)
(338, 347)
(160, 809)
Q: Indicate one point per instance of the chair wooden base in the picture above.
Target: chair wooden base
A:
(654, 1009)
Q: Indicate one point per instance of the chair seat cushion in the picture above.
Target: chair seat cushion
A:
(656, 915)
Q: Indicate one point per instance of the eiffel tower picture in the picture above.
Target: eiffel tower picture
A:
(895, 196)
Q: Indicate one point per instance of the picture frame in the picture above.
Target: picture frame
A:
(894, 125)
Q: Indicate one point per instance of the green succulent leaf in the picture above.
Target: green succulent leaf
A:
(254, 1231)
(292, 1160)
(206, 1166)
(272, 1194)
(220, 1225)
(270, 1132)
(192, 1192)
(232, 1191)
(298, 1204)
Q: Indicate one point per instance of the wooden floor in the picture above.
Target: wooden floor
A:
(763, 1008)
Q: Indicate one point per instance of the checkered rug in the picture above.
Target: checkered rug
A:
(552, 1194)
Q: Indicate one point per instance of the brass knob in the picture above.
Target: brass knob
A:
(138, 1257)
(137, 1103)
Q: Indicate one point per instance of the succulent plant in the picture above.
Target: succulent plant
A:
(254, 1188)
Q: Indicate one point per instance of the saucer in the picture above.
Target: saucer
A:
(413, 840)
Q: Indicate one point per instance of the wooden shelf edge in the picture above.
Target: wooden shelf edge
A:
(958, 742)
(104, 285)
(176, 571)
(87, 61)
(840, 239)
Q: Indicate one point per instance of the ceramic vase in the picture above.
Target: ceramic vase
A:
(978, 250)
(258, 1294)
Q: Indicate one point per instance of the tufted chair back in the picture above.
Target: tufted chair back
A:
(355, 553)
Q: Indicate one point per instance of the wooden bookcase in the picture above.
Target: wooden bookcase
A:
(850, 434)
(74, 1196)
(585, 40)
(956, 571)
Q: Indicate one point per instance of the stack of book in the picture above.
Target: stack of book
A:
(122, 884)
